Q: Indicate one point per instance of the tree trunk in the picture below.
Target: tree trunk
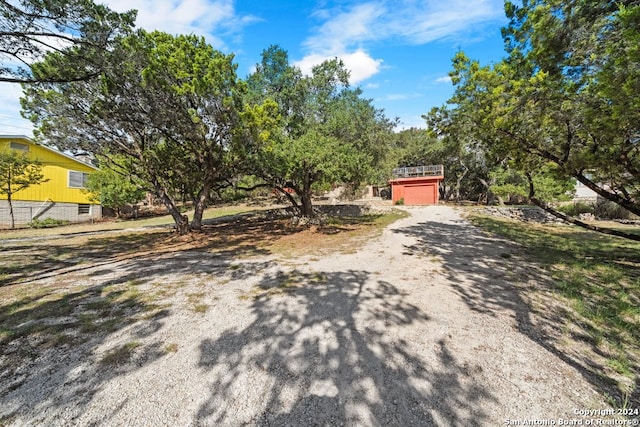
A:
(490, 196)
(198, 210)
(615, 198)
(182, 221)
(307, 206)
(13, 221)
(290, 198)
(465, 169)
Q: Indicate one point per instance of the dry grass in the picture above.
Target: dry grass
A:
(117, 224)
(595, 280)
(44, 301)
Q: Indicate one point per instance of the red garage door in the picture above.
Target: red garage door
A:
(424, 194)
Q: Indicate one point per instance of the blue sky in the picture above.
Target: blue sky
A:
(398, 51)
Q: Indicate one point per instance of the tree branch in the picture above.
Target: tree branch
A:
(571, 220)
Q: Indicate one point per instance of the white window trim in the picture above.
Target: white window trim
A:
(69, 179)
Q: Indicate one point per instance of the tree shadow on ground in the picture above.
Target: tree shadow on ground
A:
(241, 236)
(47, 344)
(491, 277)
(62, 339)
(36, 260)
(335, 349)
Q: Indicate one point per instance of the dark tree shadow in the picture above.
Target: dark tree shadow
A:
(30, 260)
(59, 343)
(491, 278)
(332, 349)
(48, 340)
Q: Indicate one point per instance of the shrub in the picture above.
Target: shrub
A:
(577, 208)
(610, 210)
(400, 201)
(48, 223)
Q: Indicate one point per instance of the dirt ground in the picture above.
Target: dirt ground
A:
(425, 325)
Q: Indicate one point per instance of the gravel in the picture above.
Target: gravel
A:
(426, 325)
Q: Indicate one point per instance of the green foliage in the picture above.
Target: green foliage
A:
(81, 33)
(113, 188)
(400, 201)
(168, 106)
(48, 223)
(509, 184)
(575, 209)
(513, 184)
(610, 210)
(324, 133)
(18, 172)
(565, 94)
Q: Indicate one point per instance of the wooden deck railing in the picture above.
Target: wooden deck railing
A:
(413, 171)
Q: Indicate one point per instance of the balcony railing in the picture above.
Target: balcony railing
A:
(413, 171)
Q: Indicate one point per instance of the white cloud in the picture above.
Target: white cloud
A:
(307, 63)
(397, 97)
(344, 31)
(360, 65)
(209, 18)
(424, 22)
(336, 37)
(400, 96)
(443, 79)
(345, 28)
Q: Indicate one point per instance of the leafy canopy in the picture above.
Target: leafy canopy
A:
(565, 94)
(113, 187)
(80, 32)
(170, 106)
(324, 132)
(17, 172)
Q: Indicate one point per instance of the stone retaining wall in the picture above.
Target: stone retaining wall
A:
(522, 213)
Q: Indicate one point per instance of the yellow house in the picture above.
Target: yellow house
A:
(61, 197)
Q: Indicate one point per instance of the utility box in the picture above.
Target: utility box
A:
(417, 185)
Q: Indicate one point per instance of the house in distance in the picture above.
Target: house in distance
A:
(417, 185)
(60, 197)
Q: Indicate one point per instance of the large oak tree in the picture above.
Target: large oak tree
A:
(325, 133)
(167, 109)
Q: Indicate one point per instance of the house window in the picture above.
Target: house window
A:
(84, 209)
(18, 146)
(78, 179)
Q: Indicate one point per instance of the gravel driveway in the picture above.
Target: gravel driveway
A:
(422, 326)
